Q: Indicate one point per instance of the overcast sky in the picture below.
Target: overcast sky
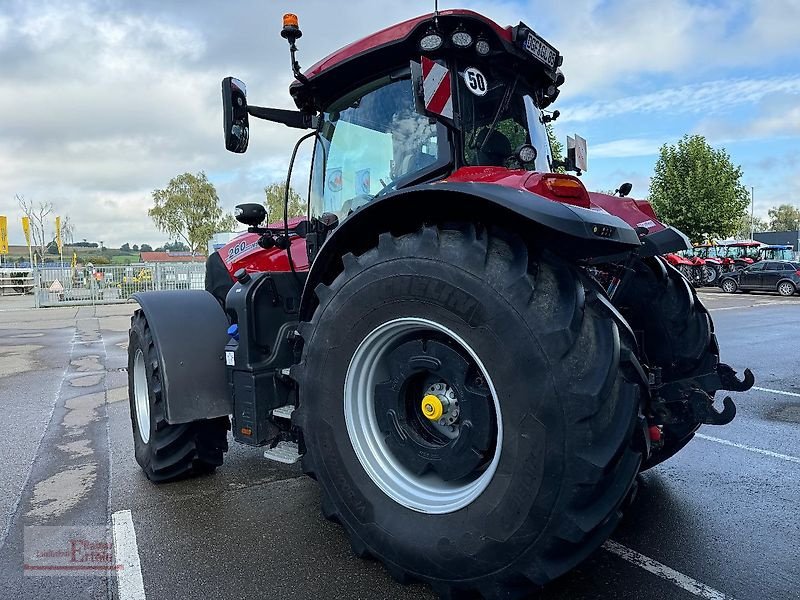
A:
(104, 101)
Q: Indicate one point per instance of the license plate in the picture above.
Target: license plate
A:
(541, 50)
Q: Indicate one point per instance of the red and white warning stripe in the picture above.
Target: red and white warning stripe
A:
(437, 88)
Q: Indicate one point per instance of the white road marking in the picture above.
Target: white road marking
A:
(786, 457)
(130, 585)
(770, 390)
(684, 582)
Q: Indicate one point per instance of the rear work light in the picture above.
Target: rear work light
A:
(431, 41)
(461, 39)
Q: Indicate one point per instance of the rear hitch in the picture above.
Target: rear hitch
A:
(691, 400)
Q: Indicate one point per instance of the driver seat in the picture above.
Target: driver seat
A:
(495, 150)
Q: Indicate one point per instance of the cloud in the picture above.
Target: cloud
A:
(709, 98)
(626, 148)
(105, 100)
(610, 47)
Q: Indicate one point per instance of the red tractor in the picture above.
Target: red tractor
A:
(471, 354)
(713, 255)
(692, 267)
(738, 255)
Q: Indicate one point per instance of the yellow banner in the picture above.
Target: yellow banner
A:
(26, 227)
(3, 235)
(58, 234)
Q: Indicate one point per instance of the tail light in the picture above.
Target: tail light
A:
(797, 272)
(558, 187)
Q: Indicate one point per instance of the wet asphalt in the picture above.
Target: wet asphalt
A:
(725, 516)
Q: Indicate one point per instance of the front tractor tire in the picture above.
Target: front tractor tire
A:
(470, 410)
(164, 451)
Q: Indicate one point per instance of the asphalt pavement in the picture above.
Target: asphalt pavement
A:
(719, 520)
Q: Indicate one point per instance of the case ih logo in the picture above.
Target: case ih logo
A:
(437, 88)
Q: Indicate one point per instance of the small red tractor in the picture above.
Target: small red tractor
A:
(691, 266)
(739, 254)
(713, 255)
(473, 355)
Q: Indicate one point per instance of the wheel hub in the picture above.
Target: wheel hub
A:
(450, 431)
(422, 415)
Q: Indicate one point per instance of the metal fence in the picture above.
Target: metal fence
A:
(111, 284)
(14, 280)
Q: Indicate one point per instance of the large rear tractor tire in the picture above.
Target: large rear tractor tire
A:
(470, 411)
(164, 451)
(677, 335)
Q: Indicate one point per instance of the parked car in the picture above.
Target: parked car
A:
(772, 275)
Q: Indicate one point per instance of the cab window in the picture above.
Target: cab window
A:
(370, 142)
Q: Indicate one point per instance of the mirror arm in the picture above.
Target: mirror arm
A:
(290, 118)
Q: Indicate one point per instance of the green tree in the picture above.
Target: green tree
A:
(189, 208)
(126, 247)
(746, 227)
(697, 189)
(177, 246)
(784, 218)
(556, 147)
(146, 248)
(275, 196)
(135, 247)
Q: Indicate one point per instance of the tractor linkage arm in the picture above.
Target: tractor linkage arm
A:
(692, 399)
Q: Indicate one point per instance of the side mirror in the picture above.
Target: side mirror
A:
(235, 119)
(625, 189)
(251, 215)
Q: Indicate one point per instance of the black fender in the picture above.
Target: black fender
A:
(566, 230)
(667, 240)
(189, 331)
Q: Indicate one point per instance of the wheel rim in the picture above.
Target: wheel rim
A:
(141, 396)
(786, 289)
(728, 286)
(426, 493)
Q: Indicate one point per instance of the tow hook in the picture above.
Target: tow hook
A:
(692, 399)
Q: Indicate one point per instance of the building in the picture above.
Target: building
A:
(779, 237)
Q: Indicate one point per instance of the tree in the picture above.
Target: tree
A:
(177, 246)
(275, 193)
(146, 248)
(67, 230)
(698, 189)
(135, 247)
(37, 213)
(126, 247)
(556, 147)
(784, 218)
(746, 227)
(189, 208)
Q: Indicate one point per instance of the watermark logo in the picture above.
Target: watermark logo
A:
(77, 551)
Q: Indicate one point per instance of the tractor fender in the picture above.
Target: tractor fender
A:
(664, 241)
(189, 329)
(566, 230)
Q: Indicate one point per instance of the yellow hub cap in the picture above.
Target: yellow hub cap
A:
(432, 407)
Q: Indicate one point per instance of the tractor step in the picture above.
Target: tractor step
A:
(284, 452)
(284, 412)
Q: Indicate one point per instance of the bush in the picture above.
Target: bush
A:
(97, 260)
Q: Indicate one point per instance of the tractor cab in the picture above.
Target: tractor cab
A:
(415, 103)
(776, 252)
